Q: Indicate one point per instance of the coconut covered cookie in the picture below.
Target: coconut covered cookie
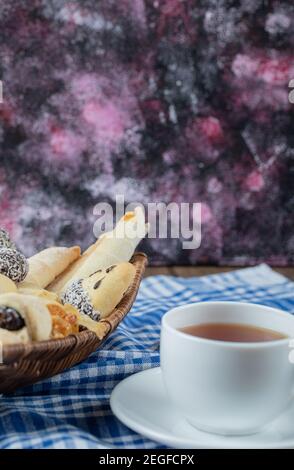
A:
(13, 264)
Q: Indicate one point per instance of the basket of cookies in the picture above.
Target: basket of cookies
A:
(58, 306)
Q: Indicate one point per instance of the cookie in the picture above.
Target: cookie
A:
(13, 320)
(13, 264)
(98, 294)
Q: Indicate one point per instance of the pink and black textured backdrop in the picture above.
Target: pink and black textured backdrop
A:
(163, 100)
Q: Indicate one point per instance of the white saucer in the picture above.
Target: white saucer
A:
(141, 403)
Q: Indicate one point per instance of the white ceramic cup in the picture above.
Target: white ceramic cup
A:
(227, 387)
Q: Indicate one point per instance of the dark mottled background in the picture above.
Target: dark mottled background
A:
(163, 100)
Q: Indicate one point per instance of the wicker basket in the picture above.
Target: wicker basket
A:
(25, 364)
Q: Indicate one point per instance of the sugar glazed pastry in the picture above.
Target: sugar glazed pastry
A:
(13, 264)
(97, 295)
(25, 318)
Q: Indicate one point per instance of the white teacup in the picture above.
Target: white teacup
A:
(227, 387)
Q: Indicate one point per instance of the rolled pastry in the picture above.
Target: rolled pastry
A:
(57, 285)
(112, 248)
(40, 322)
(43, 293)
(46, 265)
(63, 318)
(25, 318)
(97, 295)
(6, 285)
(13, 320)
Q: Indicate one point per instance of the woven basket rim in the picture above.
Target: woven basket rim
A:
(12, 352)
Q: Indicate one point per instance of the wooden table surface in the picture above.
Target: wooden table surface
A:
(188, 271)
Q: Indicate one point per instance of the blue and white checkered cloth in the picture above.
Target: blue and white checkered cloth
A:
(71, 410)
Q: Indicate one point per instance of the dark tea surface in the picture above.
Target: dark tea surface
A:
(234, 332)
